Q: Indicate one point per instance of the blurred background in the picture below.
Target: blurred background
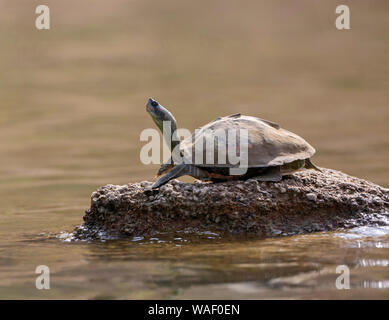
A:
(72, 98)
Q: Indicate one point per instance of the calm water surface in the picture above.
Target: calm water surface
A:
(72, 106)
(181, 265)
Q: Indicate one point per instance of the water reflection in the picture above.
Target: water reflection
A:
(253, 268)
(376, 284)
(202, 265)
(373, 263)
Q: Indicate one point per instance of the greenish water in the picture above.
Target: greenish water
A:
(72, 106)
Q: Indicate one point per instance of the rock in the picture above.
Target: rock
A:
(307, 201)
(311, 196)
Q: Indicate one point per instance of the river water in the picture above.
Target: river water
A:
(73, 105)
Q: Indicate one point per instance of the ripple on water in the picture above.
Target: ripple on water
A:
(363, 232)
(373, 263)
(376, 284)
(178, 237)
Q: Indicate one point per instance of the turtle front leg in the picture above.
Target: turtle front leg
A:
(179, 171)
(165, 167)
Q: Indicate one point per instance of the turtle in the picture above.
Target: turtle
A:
(273, 152)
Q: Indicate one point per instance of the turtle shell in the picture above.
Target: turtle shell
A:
(268, 144)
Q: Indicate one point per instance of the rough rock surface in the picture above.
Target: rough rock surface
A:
(307, 201)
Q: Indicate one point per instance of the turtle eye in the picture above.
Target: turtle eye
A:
(154, 103)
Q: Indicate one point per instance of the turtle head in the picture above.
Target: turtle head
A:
(159, 114)
(154, 109)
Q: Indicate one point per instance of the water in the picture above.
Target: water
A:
(203, 266)
(73, 105)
